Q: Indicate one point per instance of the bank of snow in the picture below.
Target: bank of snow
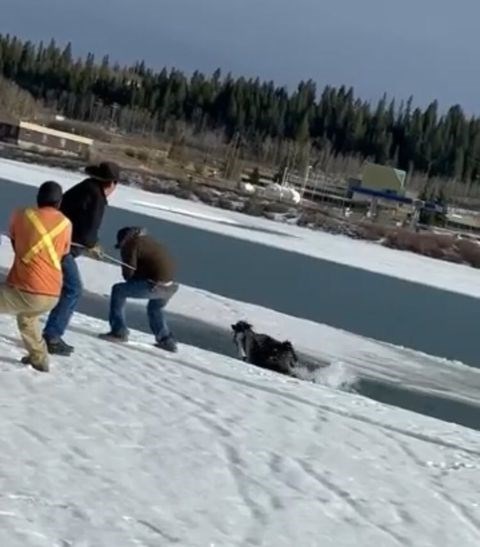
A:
(125, 445)
(351, 357)
(340, 249)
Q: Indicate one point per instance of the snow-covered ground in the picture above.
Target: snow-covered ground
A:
(340, 249)
(126, 445)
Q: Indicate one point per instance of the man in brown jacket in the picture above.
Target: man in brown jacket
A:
(148, 272)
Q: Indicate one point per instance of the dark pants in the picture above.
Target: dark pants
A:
(140, 289)
(61, 315)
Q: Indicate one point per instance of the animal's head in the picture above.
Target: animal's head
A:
(241, 327)
(240, 330)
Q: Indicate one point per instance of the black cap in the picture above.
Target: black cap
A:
(106, 171)
(49, 194)
(121, 235)
(128, 232)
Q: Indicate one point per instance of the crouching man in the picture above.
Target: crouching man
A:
(40, 237)
(148, 272)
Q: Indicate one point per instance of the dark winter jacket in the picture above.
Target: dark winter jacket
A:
(148, 260)
(84, 204)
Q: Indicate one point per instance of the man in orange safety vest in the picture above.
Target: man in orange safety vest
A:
(41, 237)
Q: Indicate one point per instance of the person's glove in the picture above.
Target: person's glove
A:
(95, 252)
(164, 291)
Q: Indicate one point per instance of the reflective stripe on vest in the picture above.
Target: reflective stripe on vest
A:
(46, 239)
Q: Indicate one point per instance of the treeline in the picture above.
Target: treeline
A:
(137, 98)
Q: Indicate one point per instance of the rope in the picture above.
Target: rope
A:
(106, 256)
(101, 254)
(167, 290)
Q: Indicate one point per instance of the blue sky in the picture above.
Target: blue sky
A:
(422, 47)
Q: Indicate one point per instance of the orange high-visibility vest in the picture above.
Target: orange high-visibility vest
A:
(41, 238)
(46, 239)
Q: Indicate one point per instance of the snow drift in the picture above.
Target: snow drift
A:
(124, 445)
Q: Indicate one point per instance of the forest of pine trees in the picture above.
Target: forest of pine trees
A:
(138, 99)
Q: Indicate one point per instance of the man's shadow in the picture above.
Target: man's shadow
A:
(187, 330)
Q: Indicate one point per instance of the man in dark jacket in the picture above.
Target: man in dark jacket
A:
(148, 272)
(84, 205)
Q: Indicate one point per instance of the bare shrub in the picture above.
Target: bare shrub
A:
(469, 251)
(143, 155)
(373, 232)
(16, 103)
(427, 244)
(200, 169)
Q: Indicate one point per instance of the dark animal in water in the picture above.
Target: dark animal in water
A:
(263, 350)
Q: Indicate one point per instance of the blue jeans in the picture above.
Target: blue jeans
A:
(61, 315)
(140, 289)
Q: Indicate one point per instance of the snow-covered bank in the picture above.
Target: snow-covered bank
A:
(124, 445)
(339, 249)
(353, 357)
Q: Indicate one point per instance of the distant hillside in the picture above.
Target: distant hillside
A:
(261, 119)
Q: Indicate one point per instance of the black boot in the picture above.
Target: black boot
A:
(58, 347)
(167, 344)
(114, 337)
(41, 367)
